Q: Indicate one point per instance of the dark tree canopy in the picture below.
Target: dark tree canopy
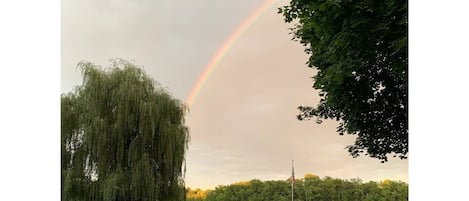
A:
(359, 49)
(123, 137)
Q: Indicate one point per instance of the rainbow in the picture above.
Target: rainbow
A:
(221, 52)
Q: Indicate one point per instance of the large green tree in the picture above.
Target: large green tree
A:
(359, 49)
(123, 137)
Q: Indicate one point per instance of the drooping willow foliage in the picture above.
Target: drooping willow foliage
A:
(123, 137)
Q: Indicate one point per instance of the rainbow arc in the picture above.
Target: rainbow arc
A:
(221, 52)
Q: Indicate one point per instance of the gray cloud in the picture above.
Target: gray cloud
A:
(173, 40)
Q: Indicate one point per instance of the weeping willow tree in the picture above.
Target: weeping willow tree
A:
(123, 137)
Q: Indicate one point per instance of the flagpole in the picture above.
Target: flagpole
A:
(292, 178)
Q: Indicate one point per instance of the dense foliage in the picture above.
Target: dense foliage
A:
(123, 137)
(196, 194)
(310, 188)
(359, 49)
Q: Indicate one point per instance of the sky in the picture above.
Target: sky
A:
(242, 121)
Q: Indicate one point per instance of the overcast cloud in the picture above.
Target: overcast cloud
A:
(242, 122)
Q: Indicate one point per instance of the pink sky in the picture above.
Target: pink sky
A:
(243, 123)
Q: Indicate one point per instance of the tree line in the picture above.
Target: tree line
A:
(309, 188)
